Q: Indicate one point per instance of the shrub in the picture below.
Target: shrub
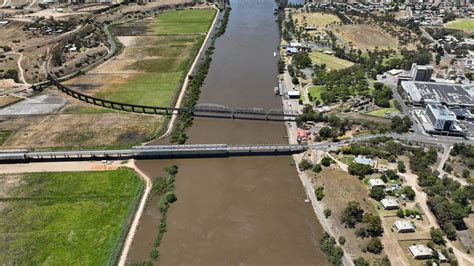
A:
(326, 161)
(317, 168)
(327, 213)
(154, 254)
(401, 167)
(437, 236)
(360, 261)
(341, 240)
(319, 191)
(375, 246)
(377, 193)
(305, 165)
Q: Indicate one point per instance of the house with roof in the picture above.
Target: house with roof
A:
(404, 226)
(376, 182)
(361, 159)
(421, 252)
(389, 204)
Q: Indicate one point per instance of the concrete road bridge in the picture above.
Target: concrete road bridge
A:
(153, 152)
(206, 150)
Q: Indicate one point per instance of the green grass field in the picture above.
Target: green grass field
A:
(163, 59)
(331, 61)
(154, 89)
(4, 134)
(315, 91)
(188, 21)
(66, 218)
(461, 24)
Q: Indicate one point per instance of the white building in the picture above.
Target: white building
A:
(421, 252)
(390, 204)
(376, 182)
(441, 117)
(293, 95)
(360, 159)
(404, 226)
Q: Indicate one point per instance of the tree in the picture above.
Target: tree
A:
(400, 213)
(448, 168)
(295, 81)
(326, 132)
(352, 214)
(360, 261)
(466, 173)
(341, 240)
(319, 191)
(327, 213)
(375, 246)
(360, 169)
(377, 193)
(326, 161)
(437, 236)
(317, 168)
(401, 167)
(438, 59)
(374, 225)
(329, 247)
(305, 165)
(409, 192)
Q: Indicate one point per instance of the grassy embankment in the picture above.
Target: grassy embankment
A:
(66, 218)
(163, 62)
(461, 24)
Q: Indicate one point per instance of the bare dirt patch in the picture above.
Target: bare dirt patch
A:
(80, 130)
(363, 36)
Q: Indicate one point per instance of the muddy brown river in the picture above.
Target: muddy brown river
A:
(246, 210)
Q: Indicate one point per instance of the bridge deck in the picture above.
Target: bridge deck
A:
(160, 151)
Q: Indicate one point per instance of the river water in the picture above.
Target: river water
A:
(246, 210)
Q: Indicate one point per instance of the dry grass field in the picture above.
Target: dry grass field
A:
(315, 20)
(365, 37)
(339, 189)
(80, 127)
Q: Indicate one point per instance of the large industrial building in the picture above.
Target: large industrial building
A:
(422, 93)
(441, 117)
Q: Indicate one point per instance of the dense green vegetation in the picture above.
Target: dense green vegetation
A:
(331, 249)
(163, 187)
(447, 199)
(67, 218)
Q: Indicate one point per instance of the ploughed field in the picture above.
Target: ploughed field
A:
(157, 53)
(65, 218)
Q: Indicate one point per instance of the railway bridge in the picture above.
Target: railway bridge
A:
(204, 109)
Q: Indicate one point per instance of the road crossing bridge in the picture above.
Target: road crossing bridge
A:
(152, 152)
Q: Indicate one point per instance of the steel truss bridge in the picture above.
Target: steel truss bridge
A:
(203, 109)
